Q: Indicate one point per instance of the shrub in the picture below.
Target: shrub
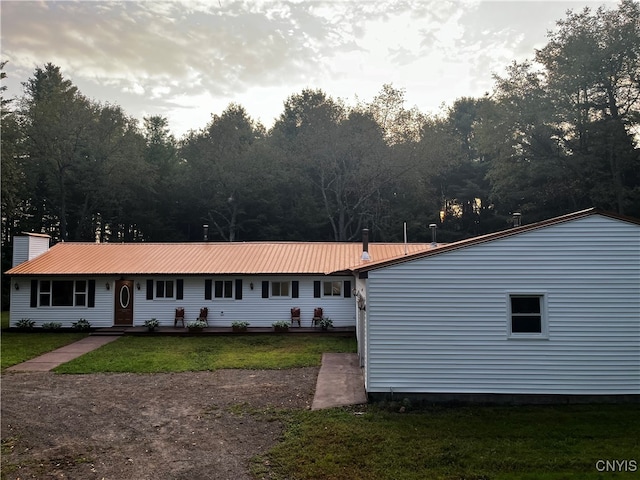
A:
(25, 324)
(52, 326)
(326, 322)
(196, 324)
(281, 325)
(240, 325)
(152, 323)
(81, 325)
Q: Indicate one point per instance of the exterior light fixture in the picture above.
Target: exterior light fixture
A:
(251, 285)
(107, 286)
(16, 286)
(138, 285)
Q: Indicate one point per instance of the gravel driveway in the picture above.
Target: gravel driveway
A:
(194, 425)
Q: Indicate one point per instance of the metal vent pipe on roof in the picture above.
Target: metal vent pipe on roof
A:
(517, 219)
(433, 228)
(205, 232)
(365, 244)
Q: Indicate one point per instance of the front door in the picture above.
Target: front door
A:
(124, 303)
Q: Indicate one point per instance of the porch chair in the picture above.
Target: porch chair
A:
(179, 317)
(317, 316)
(204, 312)
(295, 315)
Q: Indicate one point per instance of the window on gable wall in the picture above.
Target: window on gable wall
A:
(527, 315)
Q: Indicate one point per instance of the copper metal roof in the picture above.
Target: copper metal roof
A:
(207, 258)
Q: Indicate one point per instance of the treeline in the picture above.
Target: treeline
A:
(557, 134)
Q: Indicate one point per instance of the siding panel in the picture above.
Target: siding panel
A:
(439, 324)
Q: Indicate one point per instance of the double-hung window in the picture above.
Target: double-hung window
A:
(527, 316)
(332, 289)
(280, 289)
(223, 289)
(164, 289)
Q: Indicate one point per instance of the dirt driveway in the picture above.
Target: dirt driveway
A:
(195, 425)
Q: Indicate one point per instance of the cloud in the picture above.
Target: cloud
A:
(176, 57)
(176, 46)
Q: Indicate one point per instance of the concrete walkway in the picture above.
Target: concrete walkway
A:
(340, 382)
(51, 360)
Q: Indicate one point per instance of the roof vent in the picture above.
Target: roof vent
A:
(205, 232)
(433, 228)
(365, 245)
(517, 219)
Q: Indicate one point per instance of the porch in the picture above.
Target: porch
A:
(183, 331)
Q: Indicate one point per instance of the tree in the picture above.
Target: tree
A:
(592, 68)
(164, 202)
(55, 119)
(339, 156)
(223, 175)
(562, 137)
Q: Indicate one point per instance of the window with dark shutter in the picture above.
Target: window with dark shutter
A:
(149, 289)
(91, 301)
(179, 289)
(316, 288)
(238, 289)
(208, 289)
(34, 293)
(347, 289)
(265, 289)
(295, 289)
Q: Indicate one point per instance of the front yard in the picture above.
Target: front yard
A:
(248, 395)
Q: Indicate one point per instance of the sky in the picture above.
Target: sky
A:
(188, 60)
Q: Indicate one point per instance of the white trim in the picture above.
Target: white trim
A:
(544, 315)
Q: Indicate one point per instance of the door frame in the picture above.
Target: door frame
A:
(123, 314)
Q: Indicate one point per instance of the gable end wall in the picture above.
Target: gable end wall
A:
(439, 324)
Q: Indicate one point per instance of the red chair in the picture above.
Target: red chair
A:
(179, 317)
(204, 312)
(317, 316)
(295, 315)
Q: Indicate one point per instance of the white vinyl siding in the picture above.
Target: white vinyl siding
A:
(439, 324)
(28, 247)
(260, 312)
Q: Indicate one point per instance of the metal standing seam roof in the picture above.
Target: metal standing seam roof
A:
(211, 258)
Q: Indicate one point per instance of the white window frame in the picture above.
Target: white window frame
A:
(332, 282)
(165, 297)
(223, 283)
(76, 294)
(544, 317)
(280, 283)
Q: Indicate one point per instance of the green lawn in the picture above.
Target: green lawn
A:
(16, 347)
(149, 354)
(497, 443)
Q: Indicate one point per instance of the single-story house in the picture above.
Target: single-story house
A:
(537, 311)
(125, 284)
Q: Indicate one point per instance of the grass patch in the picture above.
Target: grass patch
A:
(17, 347)
(497, 443)
(179, 354)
